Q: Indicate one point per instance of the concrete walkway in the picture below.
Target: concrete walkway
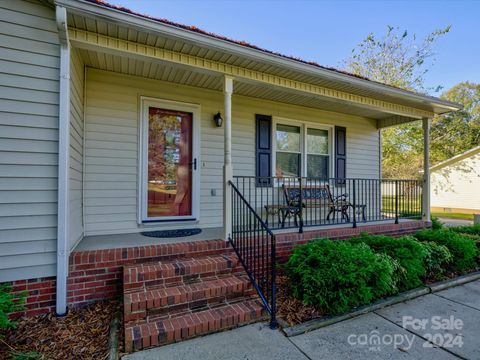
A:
(450, 318)
(455, 222)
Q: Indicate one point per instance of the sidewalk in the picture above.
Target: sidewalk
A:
(450, 317)
(455, 222)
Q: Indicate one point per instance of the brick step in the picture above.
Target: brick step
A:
(177, 272)
(158, 302)
(161, 332)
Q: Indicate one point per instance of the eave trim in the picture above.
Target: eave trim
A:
(150, 25)
(93, 41)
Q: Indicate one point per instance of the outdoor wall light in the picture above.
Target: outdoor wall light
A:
(218, 119)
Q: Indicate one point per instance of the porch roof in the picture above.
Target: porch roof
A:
(117, 39)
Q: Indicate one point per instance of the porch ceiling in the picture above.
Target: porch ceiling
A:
(127, 32)
(181, 75)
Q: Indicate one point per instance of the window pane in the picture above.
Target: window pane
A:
(317, 141)
(288, 138)
(317, 166)
(288, 164)
(169, 156)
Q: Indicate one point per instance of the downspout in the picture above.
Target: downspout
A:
(63, 162)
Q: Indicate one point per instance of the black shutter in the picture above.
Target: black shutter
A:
(340, 153)
(263, 145)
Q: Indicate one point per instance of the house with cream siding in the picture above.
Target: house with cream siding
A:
(455, 183)
(136, 153)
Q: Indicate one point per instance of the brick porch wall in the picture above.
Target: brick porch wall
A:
(97, 274)
(286, 241)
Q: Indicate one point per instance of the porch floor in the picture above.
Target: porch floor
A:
(99, 242)
(116, 241)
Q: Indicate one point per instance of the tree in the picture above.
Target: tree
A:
(398, 59)
(457, 132)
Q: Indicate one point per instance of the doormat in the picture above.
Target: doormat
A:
(172, 233)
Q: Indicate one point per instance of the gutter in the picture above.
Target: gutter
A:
(152, 26)
(63, 161)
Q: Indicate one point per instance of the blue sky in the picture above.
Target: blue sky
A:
(327, 31)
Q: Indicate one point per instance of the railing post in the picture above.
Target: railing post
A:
(354, 190)
(396, 201)
(273, 305)
(300, 204)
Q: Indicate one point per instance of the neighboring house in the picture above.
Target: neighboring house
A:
(455, 183)
(114, 123)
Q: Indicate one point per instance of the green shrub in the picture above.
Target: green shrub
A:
(23, 355)
(475, 238)
(436, 223)
(463, 249)
(472, 230)
(337, 276)
(437, 259)
(406, 250)
(9, 303)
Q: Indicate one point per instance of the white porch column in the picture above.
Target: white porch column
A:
(227, 165)
(426, 170)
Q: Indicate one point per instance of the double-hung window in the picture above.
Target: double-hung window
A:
(318, 154)
(289, 152)
(302, 150)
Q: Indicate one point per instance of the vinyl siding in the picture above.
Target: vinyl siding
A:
(456, 185)
(111, 146)
(29, 62)
(77, 74)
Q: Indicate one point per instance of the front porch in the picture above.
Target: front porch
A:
(183, 274)
(221, 184)
(110, 195)
(162, 133)
(333, 231)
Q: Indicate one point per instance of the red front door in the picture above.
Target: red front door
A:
(169, 163)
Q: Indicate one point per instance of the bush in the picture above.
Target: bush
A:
(337, 276)
(472, 230)
(476, 239)
(23, 356)
(436, 223)
(437, 259)
(462, 248)
(406, 250)
(9, 303)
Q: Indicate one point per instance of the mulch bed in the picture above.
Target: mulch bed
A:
(292, 310)
(82, 334)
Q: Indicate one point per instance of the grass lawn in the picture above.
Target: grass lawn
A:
(452, 215)
(408, 206)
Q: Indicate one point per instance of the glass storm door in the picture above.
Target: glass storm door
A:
(169, 164)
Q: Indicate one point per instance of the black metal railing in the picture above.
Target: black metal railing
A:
(298, 202)
(254, 244)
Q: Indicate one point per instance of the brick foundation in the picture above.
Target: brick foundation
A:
(41, 295)
(286, 241)
(97, 274)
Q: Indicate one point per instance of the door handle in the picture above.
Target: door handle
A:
(193, 164)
